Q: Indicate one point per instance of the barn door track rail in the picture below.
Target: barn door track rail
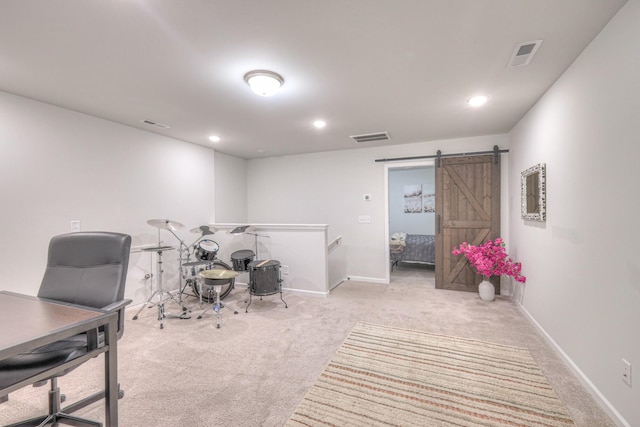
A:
(496, 152)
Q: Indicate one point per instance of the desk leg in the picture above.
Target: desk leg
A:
(111, 375)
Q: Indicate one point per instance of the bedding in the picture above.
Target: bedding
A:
(416, 248)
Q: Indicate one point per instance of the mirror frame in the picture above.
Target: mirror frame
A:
(541, 215)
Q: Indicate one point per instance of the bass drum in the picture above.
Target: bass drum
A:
(208, 294)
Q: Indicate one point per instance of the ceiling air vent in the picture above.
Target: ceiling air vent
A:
(370, 137)
(523, 53)
(152, 123)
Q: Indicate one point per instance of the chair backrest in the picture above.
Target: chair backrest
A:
(87, 268)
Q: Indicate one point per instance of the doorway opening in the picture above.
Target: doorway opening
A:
(410, 189)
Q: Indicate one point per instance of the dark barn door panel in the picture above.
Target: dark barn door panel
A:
(467, 210)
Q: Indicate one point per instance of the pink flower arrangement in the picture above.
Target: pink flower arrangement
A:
(491, 259)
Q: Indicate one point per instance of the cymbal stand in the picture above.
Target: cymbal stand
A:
(183, 249)
(217, 305)
(256, 235)
(160, 292)
(195, 280)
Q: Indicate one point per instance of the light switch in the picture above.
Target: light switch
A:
(75, 226)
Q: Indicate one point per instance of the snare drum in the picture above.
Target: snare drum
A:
(241, 259)
(206, 250)
(207, 285)
(190, 270)
(264, 277)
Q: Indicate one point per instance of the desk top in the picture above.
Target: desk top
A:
(24, 318)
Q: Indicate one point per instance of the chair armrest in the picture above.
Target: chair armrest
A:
(119, 307)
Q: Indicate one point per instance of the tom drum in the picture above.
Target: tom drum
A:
(206, 250)
(241, 259)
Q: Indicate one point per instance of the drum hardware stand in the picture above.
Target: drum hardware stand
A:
(246, 310)
(217, 305)
(203, 230)
(256, 241)
(160, 293)
(182, 249)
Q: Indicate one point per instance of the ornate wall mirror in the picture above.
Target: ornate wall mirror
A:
(533, 190)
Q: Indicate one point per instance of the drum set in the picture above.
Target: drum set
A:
(210, 279)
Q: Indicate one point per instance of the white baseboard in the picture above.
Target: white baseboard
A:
(335, 285)
(305, 292)
(602, 401)
(367, 279)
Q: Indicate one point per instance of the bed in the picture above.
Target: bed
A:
(413, 248)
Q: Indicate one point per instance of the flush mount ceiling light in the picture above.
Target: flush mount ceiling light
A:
(264, 82)
(319, 124)
(477, 101)
(215, 138)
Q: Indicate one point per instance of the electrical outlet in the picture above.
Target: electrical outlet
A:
(75, 226)
(285, 269)
(626, 372)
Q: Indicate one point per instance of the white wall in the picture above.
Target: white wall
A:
(230, 189)
(58, 165)
(328, 188)
(301, 250)
(410, 223)
(582, 265)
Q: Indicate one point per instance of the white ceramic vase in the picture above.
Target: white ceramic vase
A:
(486, 290)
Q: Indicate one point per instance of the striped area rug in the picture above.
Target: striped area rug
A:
(384, 376)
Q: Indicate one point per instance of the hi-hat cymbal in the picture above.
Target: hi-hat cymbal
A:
(165, 224)
(219, 274)
(204, 230)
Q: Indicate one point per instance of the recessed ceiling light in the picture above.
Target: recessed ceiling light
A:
(319, 124)
(214, 138)
(264, 82)
(477, 101)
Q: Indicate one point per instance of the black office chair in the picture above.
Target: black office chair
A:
(85, 268)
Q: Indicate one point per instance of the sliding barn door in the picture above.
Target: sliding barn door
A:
(467, 210)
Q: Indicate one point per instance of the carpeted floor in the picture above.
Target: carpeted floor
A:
(258, 366)
(385, 376)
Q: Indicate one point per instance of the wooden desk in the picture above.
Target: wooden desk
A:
(28, 323)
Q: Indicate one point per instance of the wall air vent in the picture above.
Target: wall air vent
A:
(152, 123)
(523, 53)
(371, 137)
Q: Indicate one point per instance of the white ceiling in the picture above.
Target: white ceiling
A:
(403, 66)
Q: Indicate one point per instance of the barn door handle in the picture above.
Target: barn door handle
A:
(438, 224)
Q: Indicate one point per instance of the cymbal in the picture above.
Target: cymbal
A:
(157, 249)
(240, 229)
(204, 230)
(165, 224)
(219, 274)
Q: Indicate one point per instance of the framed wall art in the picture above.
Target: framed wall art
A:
(533, 189)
